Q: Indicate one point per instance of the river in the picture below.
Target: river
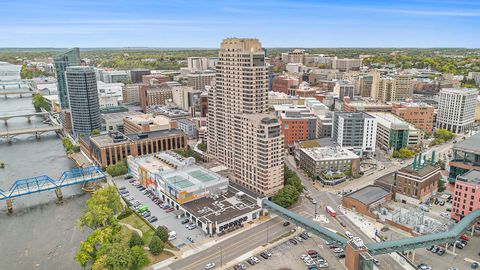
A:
(40, 234)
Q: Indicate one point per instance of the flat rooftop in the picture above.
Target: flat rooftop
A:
(420, 172)
(118, 117)
(107, 139)
(357, 115)
(221, 208)
(369, 194)
(471, 144)
(328, 153)
(390, 120)
(472, 176)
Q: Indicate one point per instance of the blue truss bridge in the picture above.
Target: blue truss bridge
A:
(41, 183)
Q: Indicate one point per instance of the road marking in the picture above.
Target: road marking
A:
(246, 239)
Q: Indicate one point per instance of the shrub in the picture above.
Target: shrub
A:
(135, 240)
(156, 245)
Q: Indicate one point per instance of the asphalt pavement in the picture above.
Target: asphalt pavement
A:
(234, 247)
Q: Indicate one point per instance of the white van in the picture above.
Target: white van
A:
(349, 234)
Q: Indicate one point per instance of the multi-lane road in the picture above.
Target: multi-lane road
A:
(234, 246)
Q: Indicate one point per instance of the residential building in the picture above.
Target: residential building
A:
(154, 79)
(201, 63)
(474, 76)
(136, 74)
(345, 65)
(344, 89)
(188, 127)
(240, 135)
(466, 196)
(278, 98)
(364, 105)
(61, 62)
(106, 149)
(294, 68)
(394, 133)
(298, 123)
(355, 131)
(417, 182)
(393, 88)
(329, 165)
(284, 83)
(418, 114)
(199, 80)
(204, 104)
(364, 84)
(133, 124)
(83, 99)
(151, 95)
(131, 94)
(295, 56)
(466, 157)
(324, 125)
(456, 109)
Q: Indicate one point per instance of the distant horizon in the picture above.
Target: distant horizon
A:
(216, 48)
(204, 23)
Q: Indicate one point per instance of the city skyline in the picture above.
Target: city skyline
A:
(204, 24)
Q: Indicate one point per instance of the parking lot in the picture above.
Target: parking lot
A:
(287, 255)
(470, 252)
(166, 219)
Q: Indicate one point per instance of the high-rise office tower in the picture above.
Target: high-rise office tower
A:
(456, 109)
(83, 98)
(61, 62)
(240, 133)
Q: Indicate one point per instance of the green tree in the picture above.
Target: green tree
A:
(156, 245)
(118, 256)
(405, 153)
(88, 248)
(39, 102)
(95, 132)
(202, 146)
(443, 134)
(441, 185)
(101, 208)
(117, 169)
(140, 258)
(162, 233)
(135, 240)
(286, 196)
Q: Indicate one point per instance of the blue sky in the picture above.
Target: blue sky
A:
(277, 23)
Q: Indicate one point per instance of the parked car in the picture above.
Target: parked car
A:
(152, 219)
(376, 262)
(459, 245)
(286, 223)
(131, 181)
(342, 224)
(299, 239)
(464, 237)
(269, 254)
(128, 176)
(430, 248)
(185, 221)
(332, 246)
(239, 266)
(210, 265)
(292, 241)
(435, 249)
(170, 210)
(340, 255)
(441, 252)
(349, 234)
(312, 252)
(452, 268)
(338, 250)
(191, 226)
(423, 266)
(255, 259)
(264, 255)
(464, 242)
(250, 261)
(122, 188)
(474, 265)
(303, 236)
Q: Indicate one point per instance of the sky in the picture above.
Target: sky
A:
(204, 23)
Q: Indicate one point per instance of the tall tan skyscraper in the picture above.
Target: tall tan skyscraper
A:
(240, 133)
(395, 88)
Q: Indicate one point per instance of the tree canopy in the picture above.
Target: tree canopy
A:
(101, 209)
(117, 169)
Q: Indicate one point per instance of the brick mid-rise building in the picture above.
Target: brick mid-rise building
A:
(466, 197)
(418, 114)
(151, 95)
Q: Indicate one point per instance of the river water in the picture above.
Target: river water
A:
(40, 234)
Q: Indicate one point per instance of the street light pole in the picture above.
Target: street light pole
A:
(315, 217)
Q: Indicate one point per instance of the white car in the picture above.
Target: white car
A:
(209, 266)
(444, 214)
(255, 259)
(349, 234)
(304, 256)
(338, 250)
(323, 265)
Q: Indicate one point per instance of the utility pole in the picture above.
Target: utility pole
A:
(315, 217)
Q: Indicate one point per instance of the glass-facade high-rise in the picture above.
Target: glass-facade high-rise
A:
(83, 98)
(61, 62)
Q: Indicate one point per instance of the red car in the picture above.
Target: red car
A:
(312, 252)
(169, 210)
(464, 237)
(332, 246)
(293, 241)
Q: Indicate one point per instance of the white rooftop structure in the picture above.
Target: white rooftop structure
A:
(329, 153)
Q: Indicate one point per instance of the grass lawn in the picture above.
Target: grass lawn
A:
(140, 224)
